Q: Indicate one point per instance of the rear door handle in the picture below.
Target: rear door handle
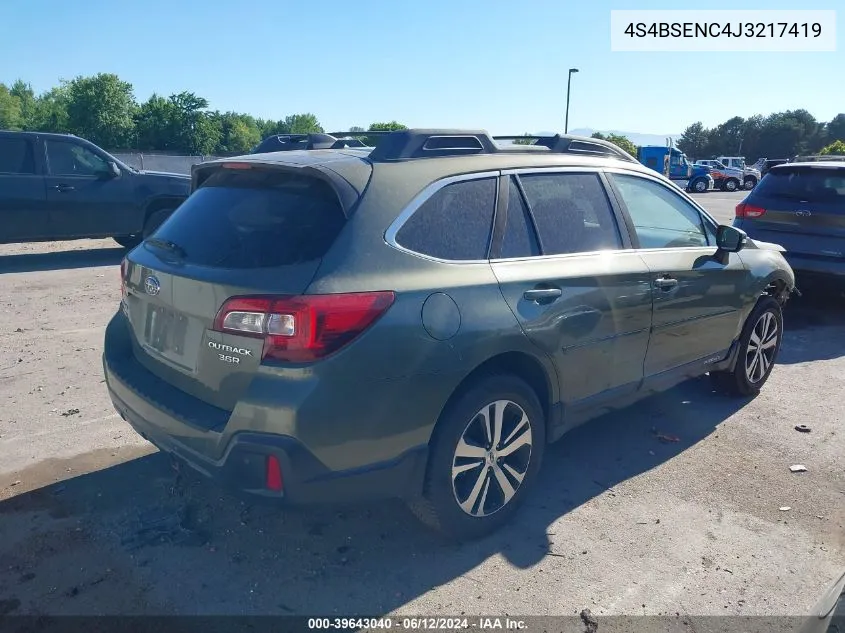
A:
(64, 188)
(666, 283)
(542, 294)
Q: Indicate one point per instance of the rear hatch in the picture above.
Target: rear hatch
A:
(800, 207)
(247, 230)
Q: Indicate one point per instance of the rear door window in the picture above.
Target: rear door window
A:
(519, 239)
(255, 219)
(804, 184)
(455, 223)
(572, 213)
(16, 156)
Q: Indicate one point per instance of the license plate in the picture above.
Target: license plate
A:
(165, 331)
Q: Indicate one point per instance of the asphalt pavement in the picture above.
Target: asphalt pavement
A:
(93, 520)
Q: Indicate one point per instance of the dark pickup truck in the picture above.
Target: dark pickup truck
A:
(61, 187)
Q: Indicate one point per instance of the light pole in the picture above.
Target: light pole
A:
(568, 84)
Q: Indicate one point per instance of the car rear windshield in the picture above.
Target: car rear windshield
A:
(255, 219)
(810, 184)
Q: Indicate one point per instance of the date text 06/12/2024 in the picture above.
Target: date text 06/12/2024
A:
(723, 31)
(462, 623)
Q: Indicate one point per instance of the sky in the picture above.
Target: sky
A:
(494, 64)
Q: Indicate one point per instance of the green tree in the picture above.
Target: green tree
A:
(49, 111)
(391, 126)
(836, 128)
(526, 140)
(155, 124)
(102, 109)
(29, 102)
(693, 141)
(306, 123)
(623, 142)
(836, 148)
(239, 133)
(10, 110)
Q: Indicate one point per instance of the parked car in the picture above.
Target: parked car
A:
(801, 206)
(292, 142)
(61, 187)
(750, 175)
(725, 178)
(769, 163)
(674, 164)
(419, 321)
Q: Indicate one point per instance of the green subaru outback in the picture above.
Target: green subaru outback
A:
(419, 320)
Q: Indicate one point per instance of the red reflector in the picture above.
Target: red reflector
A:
(236, 166)
(274, 473)
(305, 328)
(744, 210)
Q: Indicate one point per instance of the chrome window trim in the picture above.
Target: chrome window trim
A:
(420, 199)
(548, 258)
(526, 171)
(660, 180)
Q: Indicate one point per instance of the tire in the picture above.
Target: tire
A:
(699, 186)
(750, 183)
(155, 219)
(746, 380)
(128, 241)
(463, 502)
(731, 184)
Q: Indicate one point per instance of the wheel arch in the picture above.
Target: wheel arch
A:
(536, 373)
(161, 202)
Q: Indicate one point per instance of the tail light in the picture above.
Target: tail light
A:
(273, 474)
(744, 210)
(303, 328)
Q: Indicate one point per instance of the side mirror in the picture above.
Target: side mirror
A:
(111, 171)
(730, 239)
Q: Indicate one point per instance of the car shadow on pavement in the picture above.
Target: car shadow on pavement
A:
(136, 533)
(59, 260)
(806, 318)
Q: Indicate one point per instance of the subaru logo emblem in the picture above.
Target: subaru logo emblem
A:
(151, 285)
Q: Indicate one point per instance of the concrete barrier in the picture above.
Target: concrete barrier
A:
(160, 162)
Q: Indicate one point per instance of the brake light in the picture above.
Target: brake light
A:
(303, 328)
(236, 166)
(273, 476)
(744, 210)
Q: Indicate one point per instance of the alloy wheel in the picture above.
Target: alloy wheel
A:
(491, 458)
(760, 353)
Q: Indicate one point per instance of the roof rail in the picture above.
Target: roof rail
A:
(424, 143)
(570, 144)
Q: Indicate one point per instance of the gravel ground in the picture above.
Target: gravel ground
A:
(94, 521)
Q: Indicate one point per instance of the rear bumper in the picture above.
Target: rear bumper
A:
(305, 480)
(816, 267)
(238, 460)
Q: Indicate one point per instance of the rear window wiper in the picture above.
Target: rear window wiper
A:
(167, 245)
